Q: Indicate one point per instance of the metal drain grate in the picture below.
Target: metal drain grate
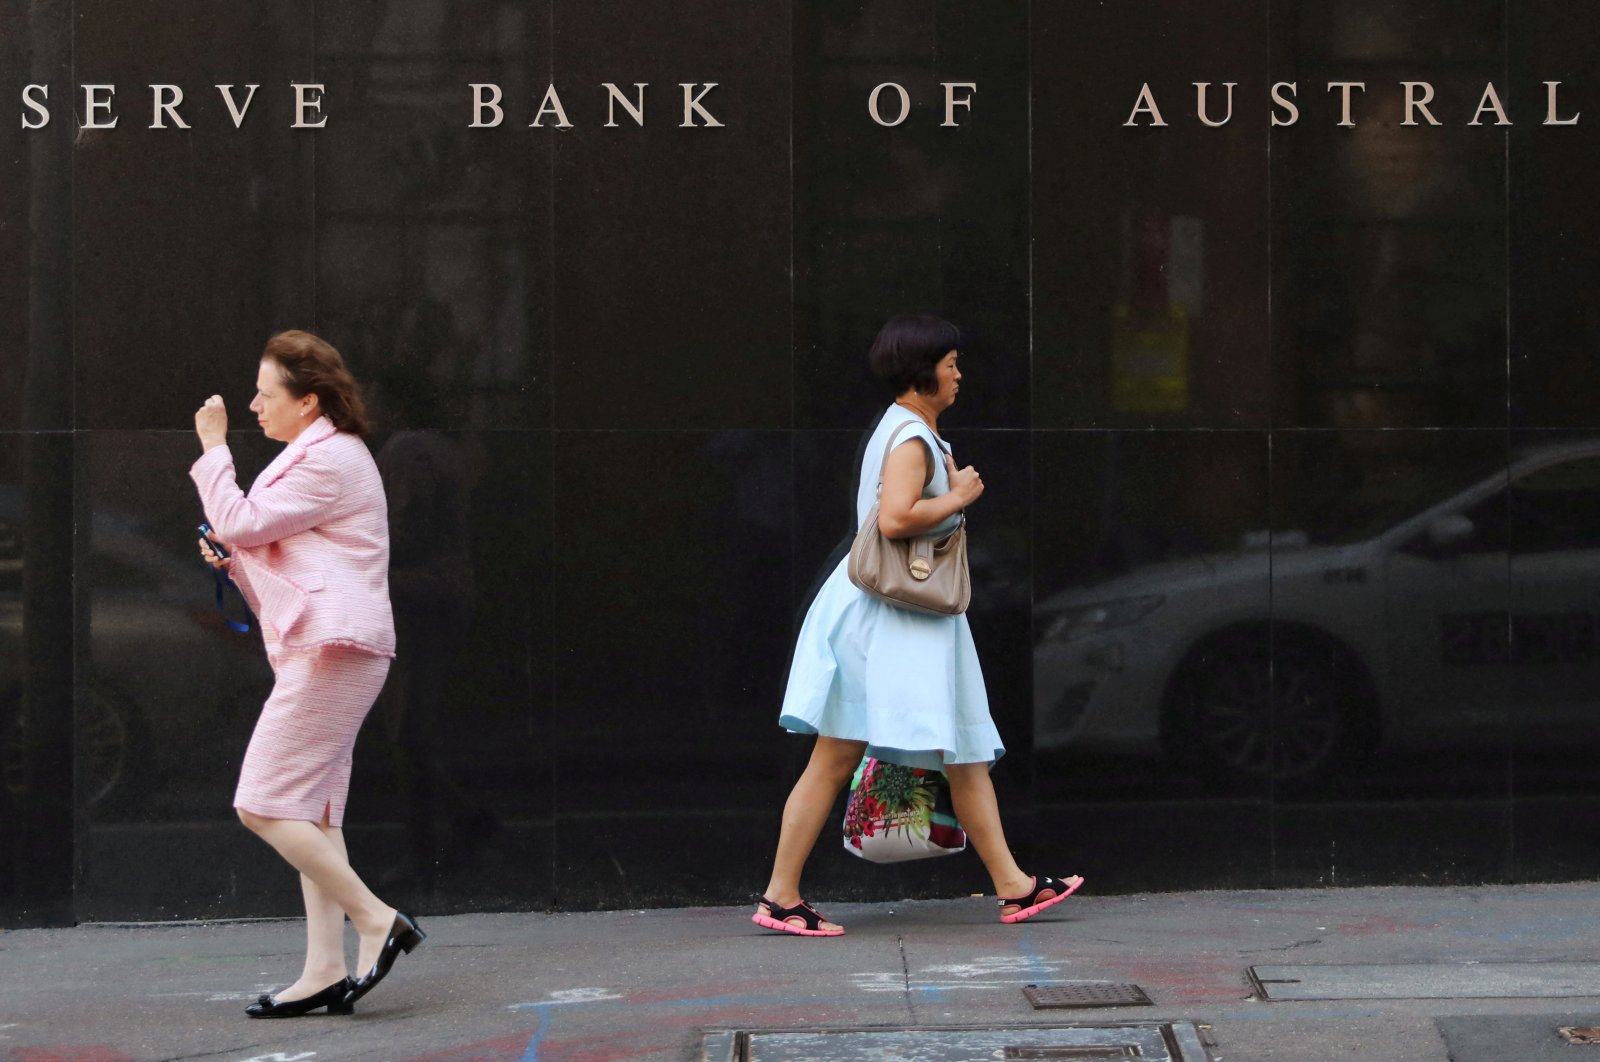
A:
(1073, 1052)
(1146, 1041)
(1086, 994)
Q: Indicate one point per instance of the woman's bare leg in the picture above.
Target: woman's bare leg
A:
(325, 963)
(832, 763)
(973, 794)
(318, 853)
(324, 944)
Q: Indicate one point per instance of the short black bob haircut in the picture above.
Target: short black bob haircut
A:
(908, 350)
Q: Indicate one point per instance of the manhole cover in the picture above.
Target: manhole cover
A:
(1147, 1041)
(1086, 994)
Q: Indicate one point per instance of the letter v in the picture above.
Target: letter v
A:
(233, 108)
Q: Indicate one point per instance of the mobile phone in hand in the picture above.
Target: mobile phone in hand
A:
(216, 547)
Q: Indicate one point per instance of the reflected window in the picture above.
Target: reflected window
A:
(1547, 511)
(1491, 526)
(1557, 508)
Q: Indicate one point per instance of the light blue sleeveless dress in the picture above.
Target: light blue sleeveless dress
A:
(906, 683)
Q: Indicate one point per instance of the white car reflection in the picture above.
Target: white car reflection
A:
(165, 701)
(1473, 622)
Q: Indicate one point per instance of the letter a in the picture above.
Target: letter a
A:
(1146, 103)
(1490, 102)
(551, 105)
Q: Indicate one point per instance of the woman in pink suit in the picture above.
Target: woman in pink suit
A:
(309, 549)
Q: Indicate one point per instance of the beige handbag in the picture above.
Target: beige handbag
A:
(922, 574)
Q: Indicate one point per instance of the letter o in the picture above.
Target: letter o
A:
(905, 104)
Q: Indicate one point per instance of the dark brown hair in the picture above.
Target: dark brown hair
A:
(908, 351)
(309, 365)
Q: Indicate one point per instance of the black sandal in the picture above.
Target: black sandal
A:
(776, 917)
(1030, 905)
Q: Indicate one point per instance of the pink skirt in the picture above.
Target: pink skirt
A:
(298, 762)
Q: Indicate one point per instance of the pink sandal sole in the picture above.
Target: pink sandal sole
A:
(1026, 913)
(786, 927)
(802, 910)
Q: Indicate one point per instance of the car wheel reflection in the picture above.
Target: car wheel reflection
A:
(106, 743)
(1247, 717)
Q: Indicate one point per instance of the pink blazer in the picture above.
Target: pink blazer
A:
(310, 541)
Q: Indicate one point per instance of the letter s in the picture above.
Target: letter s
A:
(36, 105)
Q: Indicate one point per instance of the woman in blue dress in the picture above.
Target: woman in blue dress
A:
(872, 678)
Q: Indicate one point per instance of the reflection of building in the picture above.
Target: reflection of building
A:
(647, 344)
(1394, 236)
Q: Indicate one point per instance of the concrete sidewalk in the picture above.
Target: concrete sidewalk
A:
(626, 985)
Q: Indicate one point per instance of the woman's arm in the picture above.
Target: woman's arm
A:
(303, 497)
(902, 510)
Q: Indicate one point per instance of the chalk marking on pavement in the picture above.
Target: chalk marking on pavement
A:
(532, 1053)
(894, 981)
(567, 997)
(981, 974)
(281, 1056)
(882, 981)
(996, 964)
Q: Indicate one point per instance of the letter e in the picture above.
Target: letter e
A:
(92, 103)
(305, 105)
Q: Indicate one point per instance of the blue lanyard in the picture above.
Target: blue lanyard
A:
(223, 579)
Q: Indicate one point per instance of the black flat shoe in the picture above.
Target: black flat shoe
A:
(404, 936)
(332, 997)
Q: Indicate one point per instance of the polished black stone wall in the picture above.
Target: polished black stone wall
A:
(1287, 572)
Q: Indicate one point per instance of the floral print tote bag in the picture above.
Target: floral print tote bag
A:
(897, 813)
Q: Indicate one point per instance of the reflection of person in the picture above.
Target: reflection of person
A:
(310, 553)
(427, 479)
(905, 687)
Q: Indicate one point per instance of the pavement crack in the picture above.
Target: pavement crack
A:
(1285, 947)
(905, 966)
(233, 1050)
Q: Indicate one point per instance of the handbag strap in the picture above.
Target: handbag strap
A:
(889, 449)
